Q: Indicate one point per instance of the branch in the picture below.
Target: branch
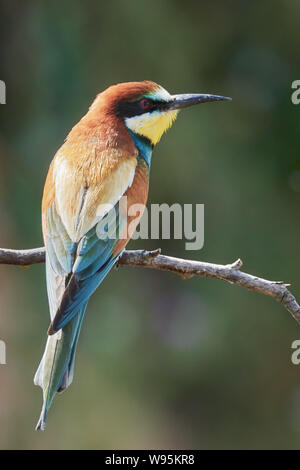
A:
(22, 257)
(185, 268)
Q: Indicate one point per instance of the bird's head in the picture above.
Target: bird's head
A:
(146, 108)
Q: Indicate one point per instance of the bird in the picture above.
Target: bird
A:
(105, 157)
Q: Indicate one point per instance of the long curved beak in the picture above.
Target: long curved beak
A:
(185, 100)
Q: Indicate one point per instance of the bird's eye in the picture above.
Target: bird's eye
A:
(145, 104)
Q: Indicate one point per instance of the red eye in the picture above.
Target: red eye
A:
(145, 104)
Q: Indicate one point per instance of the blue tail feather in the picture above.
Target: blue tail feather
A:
(56, 370)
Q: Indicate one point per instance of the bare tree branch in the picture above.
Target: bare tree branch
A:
(185, 268)
(22, 257)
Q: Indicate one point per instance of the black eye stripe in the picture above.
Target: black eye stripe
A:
(134, 108)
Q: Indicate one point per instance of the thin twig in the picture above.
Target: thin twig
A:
(185, 268)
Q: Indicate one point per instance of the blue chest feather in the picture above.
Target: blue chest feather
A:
(144, 147)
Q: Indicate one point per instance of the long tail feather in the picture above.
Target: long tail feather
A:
(55, 372)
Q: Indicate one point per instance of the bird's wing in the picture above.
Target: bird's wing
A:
(93, 260)
(79, 254)
(60, 248)
(60, 255)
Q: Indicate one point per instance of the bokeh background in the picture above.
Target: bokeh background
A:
(162, 362)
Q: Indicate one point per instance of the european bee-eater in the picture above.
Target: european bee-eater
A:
(106, 156)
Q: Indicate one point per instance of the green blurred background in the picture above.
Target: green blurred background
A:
(162, 362)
